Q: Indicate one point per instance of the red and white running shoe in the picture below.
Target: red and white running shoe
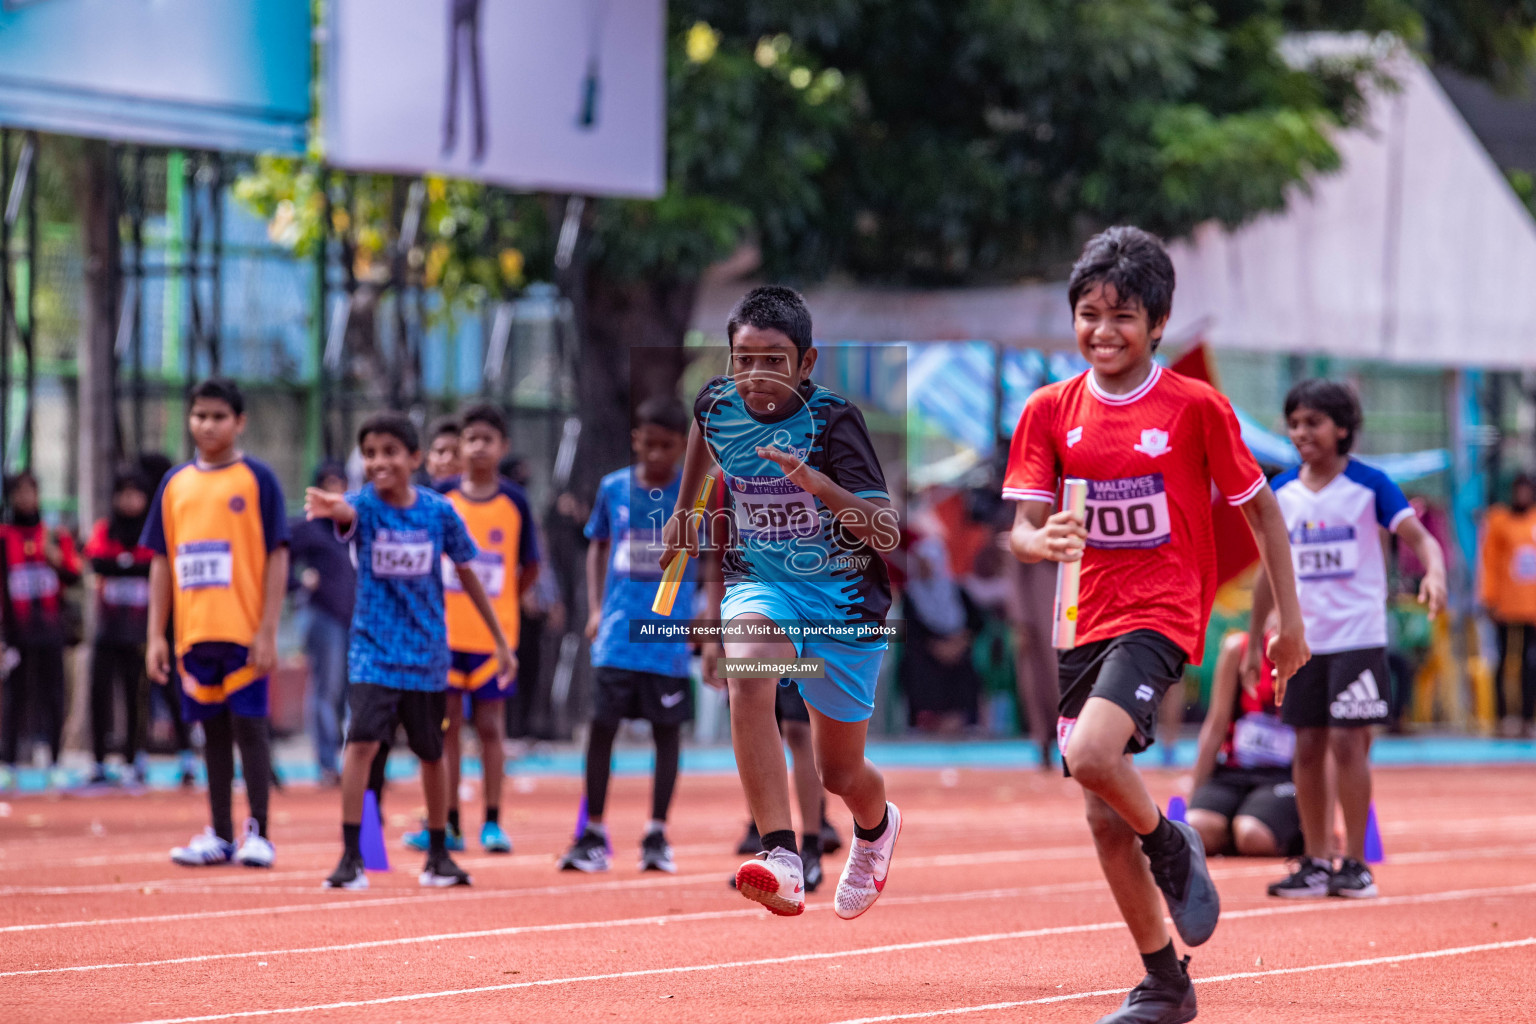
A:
(775, 880)
(869, 865)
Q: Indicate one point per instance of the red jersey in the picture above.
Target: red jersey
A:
(1256, 737)
(1151, 458)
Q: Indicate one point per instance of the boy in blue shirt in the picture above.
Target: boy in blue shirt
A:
(635, 680)
(397, 660)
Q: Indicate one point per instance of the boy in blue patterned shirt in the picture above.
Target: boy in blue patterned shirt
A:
(397, 659)
(635, 680)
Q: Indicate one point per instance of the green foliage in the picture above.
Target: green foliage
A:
(932, 141)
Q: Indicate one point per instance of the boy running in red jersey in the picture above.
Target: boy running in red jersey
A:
(1151, 445)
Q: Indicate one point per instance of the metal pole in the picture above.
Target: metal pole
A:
(216, 209)
(136, 228)
(28, 337)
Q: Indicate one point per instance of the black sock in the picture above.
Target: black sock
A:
(453, 819)
(869, 835)
(784, 839)
(1162, 839)
(493, 815)
(1164, 963)
(810, 846)
(351, 839)
(437, 842)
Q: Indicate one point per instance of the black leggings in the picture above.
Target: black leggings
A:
(600, 762)
(116, 667)
(221, 734)
(35, 684)
(1514, 681)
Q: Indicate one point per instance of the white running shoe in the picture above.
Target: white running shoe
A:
(256, 850)
(774, 878)
(204, 849)
(868, 867)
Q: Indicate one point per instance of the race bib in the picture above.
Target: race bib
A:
(637, 555)
(1324, 552)
(772, 508)
(402, 553)
(1128, 513)
(1260, 741)
(125, 591)
(1523, 566)
(1064, 732)
(203, 564)
(33, 581)
(489, 568)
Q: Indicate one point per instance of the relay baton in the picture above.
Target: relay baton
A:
(672, 579)
(1074, 498)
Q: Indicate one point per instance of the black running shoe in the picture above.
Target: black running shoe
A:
(441, 872)
(1157, 1000)
(1185, 881)
(751, 843)
(1353, 880)
(587, 854)
(831, 842)
(656, 853)
(349, 874)
(1308, 882)
(810, 867)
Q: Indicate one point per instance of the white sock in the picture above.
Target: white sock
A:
(655, 825)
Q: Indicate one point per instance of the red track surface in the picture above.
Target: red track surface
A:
(994, 898)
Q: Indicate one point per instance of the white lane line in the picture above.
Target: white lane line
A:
(664, 919)
(243, 876)
(1431, 954)
(353, 901)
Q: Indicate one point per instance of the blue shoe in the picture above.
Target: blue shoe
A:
(420, 840)
(1187, 888)
(493, 839)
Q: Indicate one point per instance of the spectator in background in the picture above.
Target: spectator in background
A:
(937, 675)
(326, 576)
(36, 564)
(442, 462)
(153, 466)
(121, 566)
(1034, 656)
(1509, 594)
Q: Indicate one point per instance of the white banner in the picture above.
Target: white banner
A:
(556, 95)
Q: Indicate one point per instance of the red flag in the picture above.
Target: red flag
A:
(1235, 550)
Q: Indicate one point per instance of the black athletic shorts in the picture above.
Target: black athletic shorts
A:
(1133, 670)
(1263, 793)
(624, 693)
(375, 711)
(1342, 689)
(789, 705)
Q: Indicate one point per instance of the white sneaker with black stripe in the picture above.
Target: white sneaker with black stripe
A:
(204, 850)
(256, 850)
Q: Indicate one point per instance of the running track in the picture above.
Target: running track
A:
(995, 912)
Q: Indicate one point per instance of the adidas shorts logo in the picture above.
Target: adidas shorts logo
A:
(1360, 700)
(1144, 692)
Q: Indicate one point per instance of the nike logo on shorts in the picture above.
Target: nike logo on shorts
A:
(671, 700)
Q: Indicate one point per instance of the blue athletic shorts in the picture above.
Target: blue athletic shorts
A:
(214, 677)
(474, 675)
(847, 692)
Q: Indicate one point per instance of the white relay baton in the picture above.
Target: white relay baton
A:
(1074, 498)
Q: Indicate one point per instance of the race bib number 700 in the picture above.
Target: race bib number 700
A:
(1128, 513)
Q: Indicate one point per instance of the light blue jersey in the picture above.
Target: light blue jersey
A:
(630, 518)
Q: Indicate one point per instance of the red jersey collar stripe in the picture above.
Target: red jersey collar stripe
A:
(1126, 399)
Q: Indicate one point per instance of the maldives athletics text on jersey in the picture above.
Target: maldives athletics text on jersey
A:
(1151, 458)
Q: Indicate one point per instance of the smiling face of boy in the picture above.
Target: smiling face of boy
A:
(1114, 333)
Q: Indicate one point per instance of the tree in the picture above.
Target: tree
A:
(943, 142)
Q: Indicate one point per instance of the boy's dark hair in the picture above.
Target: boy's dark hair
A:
(1134, 262)
(21, 476)
(1335, 400)
(396, 424)
(485, 413)
(663, 412)
(446, 425)
(220, 389)
(326, 470)
(773, 307)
